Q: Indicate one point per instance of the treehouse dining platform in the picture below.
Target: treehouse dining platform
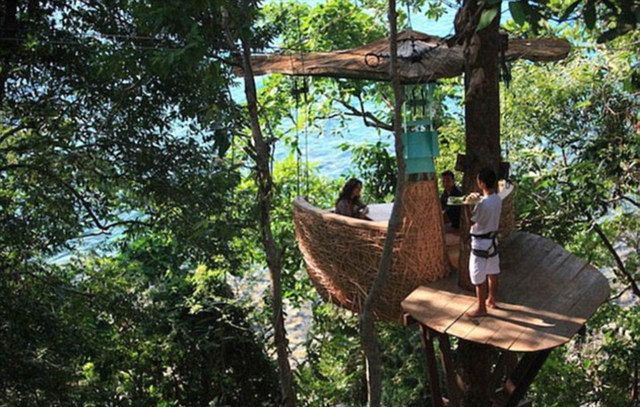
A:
(545, 296)
(546, 293)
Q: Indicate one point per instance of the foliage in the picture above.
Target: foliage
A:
(572, 137)
(606, 20)
(333, 371)
(288, 185)
(91, 97)
(137, 328)
(575, 147)
(597, 369)
(115, 118)
(373, 164)
(330, 26)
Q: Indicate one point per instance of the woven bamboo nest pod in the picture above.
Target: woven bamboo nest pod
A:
(342, 254)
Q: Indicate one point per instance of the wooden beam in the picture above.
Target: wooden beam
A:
(499, 370)
(518, 383)
(454, 381)
(431, 367)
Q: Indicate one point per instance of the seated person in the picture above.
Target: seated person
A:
(451, 213)
(348, 203)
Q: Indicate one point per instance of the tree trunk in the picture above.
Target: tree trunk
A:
(482, 130)
(474, 361)
(482, 115)
(367, 327)
(265, 189)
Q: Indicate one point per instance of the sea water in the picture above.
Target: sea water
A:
(322, 148)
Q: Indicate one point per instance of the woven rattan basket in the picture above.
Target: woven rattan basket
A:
(342, 253)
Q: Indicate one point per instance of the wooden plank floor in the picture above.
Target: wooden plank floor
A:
(545, 296)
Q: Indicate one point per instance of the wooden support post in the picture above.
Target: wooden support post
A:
(511, 361)
(454, 382)
(477, 386)
(431, 367)
(519, 381)
(473, 360)
(499, 371)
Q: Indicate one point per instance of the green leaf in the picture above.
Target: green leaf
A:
(486, 18)
(517, 12)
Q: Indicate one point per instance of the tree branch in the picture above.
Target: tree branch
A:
(368, 333)
(626, 198)
(618, 260)
(620, 294)
(54, 285)
(86, 205)
(106, 228)
(11, 132)
(264, 180)
(366, 115)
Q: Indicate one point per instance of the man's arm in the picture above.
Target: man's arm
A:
(469, 213)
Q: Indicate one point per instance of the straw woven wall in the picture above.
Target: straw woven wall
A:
(342, 254)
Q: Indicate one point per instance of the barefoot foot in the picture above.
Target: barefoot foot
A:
(476, 313)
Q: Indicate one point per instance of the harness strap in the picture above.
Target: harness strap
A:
(485, 254)
(489, 235)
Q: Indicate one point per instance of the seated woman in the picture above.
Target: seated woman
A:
(348, 203)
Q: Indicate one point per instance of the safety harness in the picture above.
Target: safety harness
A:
(493, 249)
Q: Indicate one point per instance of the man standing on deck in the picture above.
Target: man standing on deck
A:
(451, 213)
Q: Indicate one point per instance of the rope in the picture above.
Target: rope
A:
(306, 139)
(296, 120)
(409, 14)
(430, 92)
(305, 91)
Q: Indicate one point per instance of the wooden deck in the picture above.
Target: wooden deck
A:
(545, 296)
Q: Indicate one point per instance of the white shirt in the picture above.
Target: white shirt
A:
(486, 215)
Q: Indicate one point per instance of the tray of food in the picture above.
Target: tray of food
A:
(470, 199)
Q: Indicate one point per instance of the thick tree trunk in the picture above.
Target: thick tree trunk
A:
(482, 115)
(265, 189)
(474, 361)
(367, 319)
(482, 129)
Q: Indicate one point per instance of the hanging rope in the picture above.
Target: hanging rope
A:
(431, 87)
(297, 91)
(305, 92)
(306, 136)
(296, 119)
(409, 14)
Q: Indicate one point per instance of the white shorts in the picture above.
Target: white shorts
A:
(480, 267)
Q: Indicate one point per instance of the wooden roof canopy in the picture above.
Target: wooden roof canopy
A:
(422, 58)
